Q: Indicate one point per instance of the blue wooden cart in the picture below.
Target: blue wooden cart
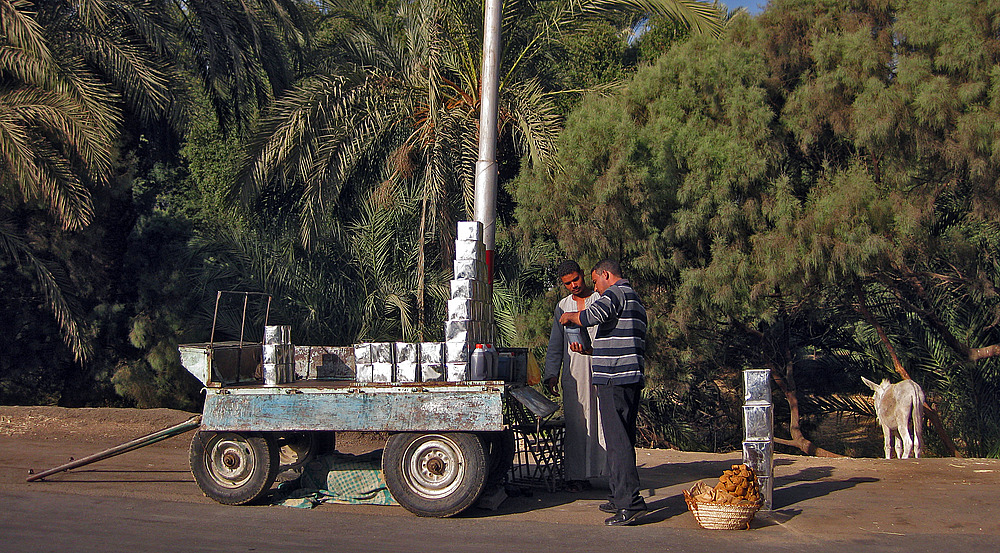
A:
(447, 440)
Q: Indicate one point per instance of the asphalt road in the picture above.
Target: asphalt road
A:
(147, 500)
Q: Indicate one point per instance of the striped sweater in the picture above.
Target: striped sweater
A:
(621, 335)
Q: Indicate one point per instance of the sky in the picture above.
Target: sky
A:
(750, 5)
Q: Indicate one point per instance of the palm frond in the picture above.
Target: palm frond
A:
(14, 248)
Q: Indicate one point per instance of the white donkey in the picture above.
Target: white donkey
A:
(900, 409)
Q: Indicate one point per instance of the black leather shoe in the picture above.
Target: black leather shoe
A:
(624, 517)
(607, 507)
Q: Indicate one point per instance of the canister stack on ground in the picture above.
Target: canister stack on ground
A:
(758, 430)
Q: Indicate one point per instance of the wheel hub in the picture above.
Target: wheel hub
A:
(434, 466)
(230, 461)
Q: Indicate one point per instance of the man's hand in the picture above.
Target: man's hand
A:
(571, 317)
(552, 385)
(578, 347)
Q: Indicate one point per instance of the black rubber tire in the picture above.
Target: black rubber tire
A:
(500, 450)
(234, 468)
(435, 475)
(326, 442)
(295, 449)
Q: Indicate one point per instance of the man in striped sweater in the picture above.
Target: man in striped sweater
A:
(617, 365)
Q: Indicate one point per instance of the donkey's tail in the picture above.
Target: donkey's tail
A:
(917, 419)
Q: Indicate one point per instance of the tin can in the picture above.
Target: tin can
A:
(407, 362)
(757, 423)
(469, 230)
(470, 269)
(457, 372)
(766, 484)
(272, 374)
(272, 354)
(432, 367)
(469, 249)
(277, 334)
(457, 352)
(757, 386)
(382, 373)
(364, 373)
(760, 457)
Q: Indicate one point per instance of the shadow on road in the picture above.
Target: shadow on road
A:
(665, 503)
(99, 476)
(790, 495)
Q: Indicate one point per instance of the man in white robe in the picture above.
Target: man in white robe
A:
(583, 446)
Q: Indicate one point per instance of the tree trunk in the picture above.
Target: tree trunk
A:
(931, 318)
(786, 382)
(420, 271)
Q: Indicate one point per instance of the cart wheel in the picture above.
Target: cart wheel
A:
(500, 447)
(298, 448)
(435, 475)
(233, 468)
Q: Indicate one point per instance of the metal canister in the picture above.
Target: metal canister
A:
(469, 230)
(457, 352)
(469, 249)
(272, 374)
(766, 484)
(759, 456)
(432, 364)
(277, 334)
(471, 269)
(407, 362)
(273, 354)
(757, 422)
(757, 385)
(464, 288)
(457, 372)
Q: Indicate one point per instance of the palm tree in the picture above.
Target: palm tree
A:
(397, 101)
(64, 74)
(244, 52)
(71, 71)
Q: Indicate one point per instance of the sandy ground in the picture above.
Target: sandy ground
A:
(815, 499)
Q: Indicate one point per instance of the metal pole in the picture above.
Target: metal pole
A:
(215, 315)
(243, 325)
(486, 166)
(149, 439)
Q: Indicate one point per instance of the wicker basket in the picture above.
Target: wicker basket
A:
(721, 516)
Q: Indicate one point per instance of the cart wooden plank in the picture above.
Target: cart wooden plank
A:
(451, 408)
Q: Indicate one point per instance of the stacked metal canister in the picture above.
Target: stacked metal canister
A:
(758, 430)
(278, 365)
(386, 362)
(469, 309)
(375, 361)
(467, 325)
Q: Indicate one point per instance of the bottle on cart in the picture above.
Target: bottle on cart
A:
(494, 362)
(479, 364)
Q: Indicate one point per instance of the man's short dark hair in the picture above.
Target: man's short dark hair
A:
(609, 265)
(567, 267)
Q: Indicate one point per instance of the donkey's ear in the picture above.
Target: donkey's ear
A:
(869, 383)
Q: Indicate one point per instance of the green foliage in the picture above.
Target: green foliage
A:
(773, 191)
(756, 185)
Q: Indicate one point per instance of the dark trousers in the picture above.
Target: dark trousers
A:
(619, 407)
